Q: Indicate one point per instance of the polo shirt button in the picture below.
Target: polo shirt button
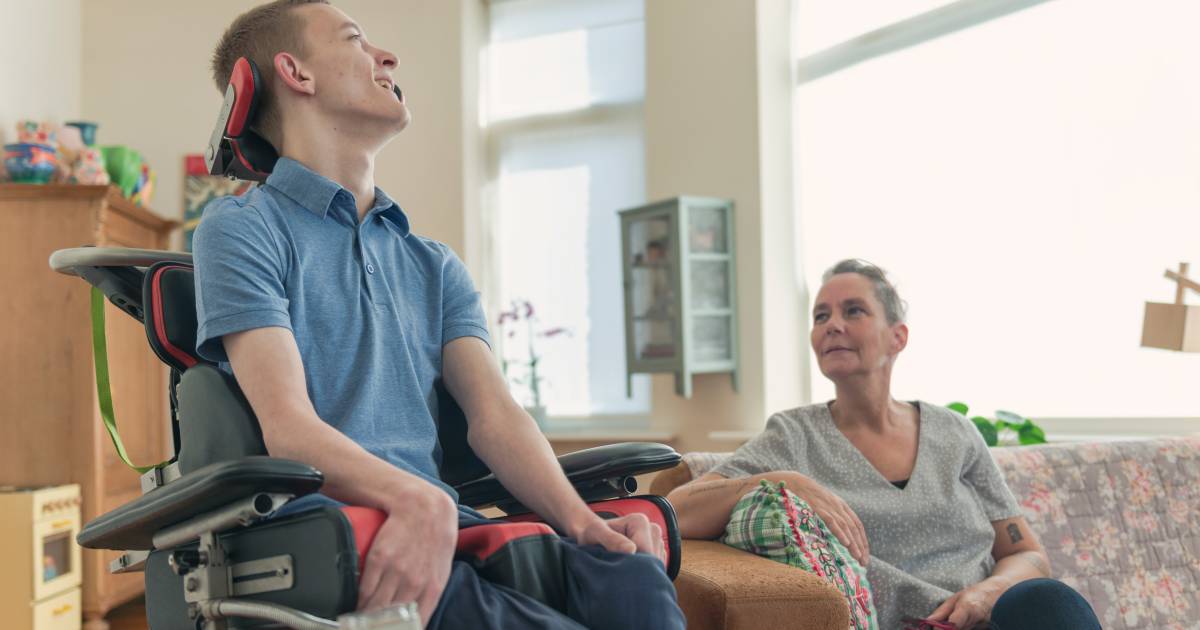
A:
(370, 268)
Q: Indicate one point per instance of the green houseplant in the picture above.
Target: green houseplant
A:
(1006, 428)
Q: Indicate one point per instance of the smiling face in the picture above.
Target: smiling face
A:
(351, 79)
(850, 331)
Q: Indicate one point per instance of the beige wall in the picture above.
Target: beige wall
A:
(146, 80)
(718, 123)
(39, 62)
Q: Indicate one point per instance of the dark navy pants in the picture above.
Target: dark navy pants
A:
(1043, 604)
(604, 590)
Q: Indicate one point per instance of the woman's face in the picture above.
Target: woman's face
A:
(850, 332)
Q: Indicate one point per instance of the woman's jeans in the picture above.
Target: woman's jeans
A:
(1043, 604)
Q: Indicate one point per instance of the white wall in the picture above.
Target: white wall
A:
(146, 79)
(39, 62)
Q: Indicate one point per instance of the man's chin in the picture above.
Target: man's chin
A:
(402, 119)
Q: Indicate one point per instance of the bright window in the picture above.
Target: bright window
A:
(564, 86)
(1026, 181)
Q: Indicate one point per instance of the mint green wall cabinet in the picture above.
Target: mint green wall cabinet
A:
(677, 263)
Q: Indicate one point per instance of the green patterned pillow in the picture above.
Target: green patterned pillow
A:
(772, 522)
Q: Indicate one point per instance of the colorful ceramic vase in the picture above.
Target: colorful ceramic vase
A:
(86, 129)
(35, 132)
(30, 163)
(89, 168)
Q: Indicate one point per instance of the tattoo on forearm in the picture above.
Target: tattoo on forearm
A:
(1014, 533)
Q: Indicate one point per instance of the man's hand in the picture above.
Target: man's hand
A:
(836, 513)
(626, 534)
(971, 605)
(410, 558)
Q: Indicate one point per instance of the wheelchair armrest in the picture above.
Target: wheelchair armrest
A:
(602, 472)
(67, 260)
(133, 525)
(117, 271)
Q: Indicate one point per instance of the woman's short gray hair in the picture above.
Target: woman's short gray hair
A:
(895, 308)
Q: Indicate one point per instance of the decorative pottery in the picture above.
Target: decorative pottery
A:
(89, 168)
(124, 166)
(86, 129)
(30, 163)
(36, 132)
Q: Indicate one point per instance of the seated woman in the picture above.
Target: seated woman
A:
(909, 488)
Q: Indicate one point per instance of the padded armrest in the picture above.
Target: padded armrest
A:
(584, 468)
(132, 526)
(722, 588)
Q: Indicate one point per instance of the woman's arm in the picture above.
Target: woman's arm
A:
(1019, 557)
(1018, 552)
(703, 506)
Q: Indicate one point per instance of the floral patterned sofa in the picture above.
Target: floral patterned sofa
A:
(1121, 523)
(1119, 520)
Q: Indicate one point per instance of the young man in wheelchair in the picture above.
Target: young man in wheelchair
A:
(336, 320)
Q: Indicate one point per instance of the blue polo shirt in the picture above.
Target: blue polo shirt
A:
(369, 303)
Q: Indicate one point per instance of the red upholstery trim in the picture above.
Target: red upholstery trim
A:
(160, 330)
(482, 541)
(242, 80)
(365, 522)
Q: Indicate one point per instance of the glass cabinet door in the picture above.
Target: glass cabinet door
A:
(711, 338)
(706, 231)
(652, 290)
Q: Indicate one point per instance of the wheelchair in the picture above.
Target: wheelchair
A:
(203, 529)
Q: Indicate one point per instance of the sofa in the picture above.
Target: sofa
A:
(1119, 520)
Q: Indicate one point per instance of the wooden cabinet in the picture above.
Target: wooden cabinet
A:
(52, 432)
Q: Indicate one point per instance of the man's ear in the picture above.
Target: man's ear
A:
(293, 74)
(899, 337)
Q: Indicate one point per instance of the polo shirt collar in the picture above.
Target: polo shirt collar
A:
(316, 192)
(390, 211)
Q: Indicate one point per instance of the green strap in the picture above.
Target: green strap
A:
(103, 392)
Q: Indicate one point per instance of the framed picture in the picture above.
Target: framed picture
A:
(199, 188)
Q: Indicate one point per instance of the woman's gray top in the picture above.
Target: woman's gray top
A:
(929, 540)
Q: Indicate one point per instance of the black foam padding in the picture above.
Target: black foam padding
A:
(216, 422)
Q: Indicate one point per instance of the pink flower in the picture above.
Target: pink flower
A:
(528, 310)
(554, 332)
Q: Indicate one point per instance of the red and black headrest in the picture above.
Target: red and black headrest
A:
(234, 149)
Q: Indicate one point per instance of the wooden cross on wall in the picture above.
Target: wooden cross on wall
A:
(1182, 282)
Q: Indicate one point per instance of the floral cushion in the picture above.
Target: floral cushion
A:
(773, 522)
(1119, 520)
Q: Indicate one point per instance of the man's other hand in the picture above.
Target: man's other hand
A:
(625, 534)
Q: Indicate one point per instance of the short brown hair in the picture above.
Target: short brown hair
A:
(258, 35)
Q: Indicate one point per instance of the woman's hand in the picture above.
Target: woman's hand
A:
(836, 513)
(972, 604)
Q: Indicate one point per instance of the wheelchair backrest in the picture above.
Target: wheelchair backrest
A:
(215, 422)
